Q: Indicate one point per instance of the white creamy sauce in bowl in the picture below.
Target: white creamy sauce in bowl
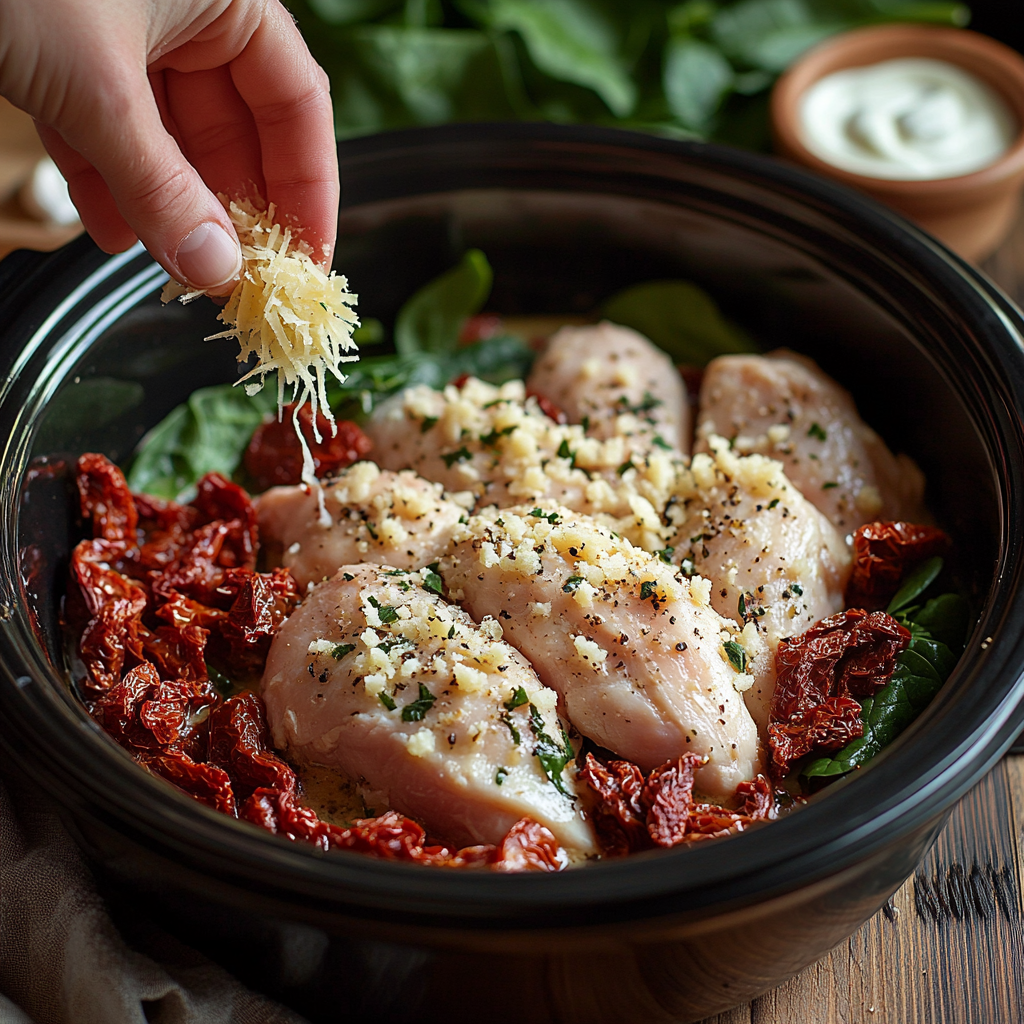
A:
(909, 119)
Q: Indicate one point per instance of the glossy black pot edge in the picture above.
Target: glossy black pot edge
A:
(942, 785)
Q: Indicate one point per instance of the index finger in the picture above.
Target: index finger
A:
(289, 96)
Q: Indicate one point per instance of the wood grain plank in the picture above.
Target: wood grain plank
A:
(949, 946)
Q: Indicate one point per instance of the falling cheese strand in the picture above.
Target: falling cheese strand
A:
(295, 319)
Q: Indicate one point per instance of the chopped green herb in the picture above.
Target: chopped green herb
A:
(491, 439)
(338, 651)
(462, 455)
(499, 522)
(563, 450)
(665, 554)
(572, 584)
(797, 589)
(347, 576)
(517, 700)
(817, 431)
(687, 568)
(646, 404)
(388, 702)
(628, 464)
(551, 517)
(648, 589)
(516, 737)
(451, 633)
(773, 502)
(385, 612)
(585, 423)
(370, 529)
(552, 757)
(432, 581)
(395, 572)
(741, 606)
(829, 485)
(660, 442)
(415, 710)
(427, 424)
(736, 655)
(499, 775)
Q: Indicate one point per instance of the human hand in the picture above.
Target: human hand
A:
(149, 108)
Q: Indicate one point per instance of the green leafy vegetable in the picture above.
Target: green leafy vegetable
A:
(415, 710)
(432, 319)
(553, 757)
(919, 580)
(680, 318)
(208, 433)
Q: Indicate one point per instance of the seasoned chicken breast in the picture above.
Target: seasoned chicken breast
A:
(596, 373)
(396, 519)
(636, 652)
(438, 718)
(496, 444)
(776, 564)
(784, 406)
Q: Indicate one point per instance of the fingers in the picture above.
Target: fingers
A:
(159, 195)
(290, 101)
(216, 131)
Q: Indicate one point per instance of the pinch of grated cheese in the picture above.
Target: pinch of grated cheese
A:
(294, 318)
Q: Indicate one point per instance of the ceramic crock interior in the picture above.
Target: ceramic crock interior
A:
(874, 320)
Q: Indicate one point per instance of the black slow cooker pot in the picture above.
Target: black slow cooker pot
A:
(567, 216)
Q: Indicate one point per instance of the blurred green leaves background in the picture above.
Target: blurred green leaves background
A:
(700, 69)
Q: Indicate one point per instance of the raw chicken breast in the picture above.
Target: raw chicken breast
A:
(396, 519)
(377, 676)
(635, 651)
(775, 563)
(594, 374)
(497, 445)
(782, 405)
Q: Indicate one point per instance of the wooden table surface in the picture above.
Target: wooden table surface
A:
(948, 948)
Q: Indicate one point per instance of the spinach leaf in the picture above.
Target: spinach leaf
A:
(431, 320)
(696, 80)
(946, 618)
(680, 318)
(568, 40)
(208, 433)
(922, 577)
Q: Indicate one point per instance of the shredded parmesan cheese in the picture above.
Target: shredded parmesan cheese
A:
(294, 318)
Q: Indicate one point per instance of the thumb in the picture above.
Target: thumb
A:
(156, 190)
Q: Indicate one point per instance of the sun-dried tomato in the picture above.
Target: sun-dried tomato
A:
(529, 846)
(817, 675)
(238, 742)
(165, 526)
(178, 652)
(146, 713)
(882, 553)
(204, 782)
(274, 455)
(664, 813)
(114, 605)
(105, 499)
(547, 407)
(667, 799)
(618, 818)
(278, 811)
(479, 327)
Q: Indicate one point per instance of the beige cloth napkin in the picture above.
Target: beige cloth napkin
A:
(62, 961)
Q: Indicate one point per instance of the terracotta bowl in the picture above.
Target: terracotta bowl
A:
(971, 213)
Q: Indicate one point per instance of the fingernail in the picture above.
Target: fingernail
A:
(208, 256)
